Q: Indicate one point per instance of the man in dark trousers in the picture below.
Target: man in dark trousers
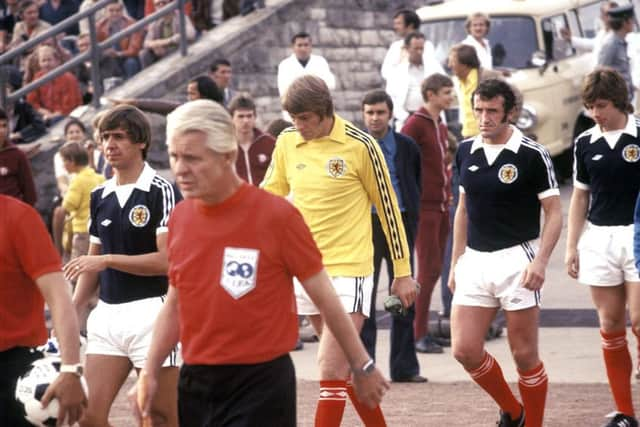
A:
(403, 161)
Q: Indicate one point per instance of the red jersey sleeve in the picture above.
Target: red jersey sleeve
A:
(301, 254)
(34, 248)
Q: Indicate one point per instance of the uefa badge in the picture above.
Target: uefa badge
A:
(508, 173)
(631, 153)
(239, 271)
(139, 216)
(336, 167)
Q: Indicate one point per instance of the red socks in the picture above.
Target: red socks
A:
(489, 376)
(333, 396)
(617, 361)
(533, 389)
(370, 417)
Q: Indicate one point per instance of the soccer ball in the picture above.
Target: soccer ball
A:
(31, 387)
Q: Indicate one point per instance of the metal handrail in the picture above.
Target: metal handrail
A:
(93, 54)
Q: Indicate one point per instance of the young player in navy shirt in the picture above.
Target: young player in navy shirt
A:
(127, 256)
(499, 256)
(600, 236)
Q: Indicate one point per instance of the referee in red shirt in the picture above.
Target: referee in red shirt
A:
(233, 252)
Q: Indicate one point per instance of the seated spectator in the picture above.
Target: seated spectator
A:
(58, 98)
(76, 201)
(163, 36)
(56, 11)
(26, 124)
(126, 51)
(16, 179)
(108, 67)
(255, 147)
(32, 63)
(8, 17)
(30, 25)
(99, 14)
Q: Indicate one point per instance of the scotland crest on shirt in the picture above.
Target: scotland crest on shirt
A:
(139, 216)
(631, 153)
(508, 173)
(239, 271)
(336, 167)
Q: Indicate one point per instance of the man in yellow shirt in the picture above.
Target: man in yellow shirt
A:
(333, 173)
(76, 201)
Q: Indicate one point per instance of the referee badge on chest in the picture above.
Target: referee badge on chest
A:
(508, 173)
(239, 271)
(336, 167)
(631, 153)
(139, 216)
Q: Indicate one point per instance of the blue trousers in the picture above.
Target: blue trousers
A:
(403, 361)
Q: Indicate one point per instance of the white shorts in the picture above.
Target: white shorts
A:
(126, 330)
(353, 292)
(606, 256)
(493, 279)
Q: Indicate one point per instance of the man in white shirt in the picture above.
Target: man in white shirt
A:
(477, 26)
(301, 62)
(404, 80)
(405, 21)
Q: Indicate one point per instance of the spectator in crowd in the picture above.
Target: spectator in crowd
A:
(600, 231)
(426, 127)
(405, 21)
(26, 123)
(255, 147)
(76, 201)
(478, 26)
(83, 71)
(30, 24)
(99, 15)
(56, 99)
(163, 36)
(126, 51)
(237, 368)
(344, 168)
(404, 80)
(594, 44)
(402, 157)
(30, 276)
(134, 9)
(31, 65)
(276, 127)
(74, 132)
(302, 62)
(248, 6)
(56, 11)
(613, 52)
(201, 15)
(16, 179)
(9, 12)
(221, 73)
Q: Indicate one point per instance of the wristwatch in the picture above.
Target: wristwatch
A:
(367, 368)
(75, 369)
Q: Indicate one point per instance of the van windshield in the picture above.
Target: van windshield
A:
(512, 38)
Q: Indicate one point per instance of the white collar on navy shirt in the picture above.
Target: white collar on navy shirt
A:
(629, 129)
(142, 183)
(512, 144)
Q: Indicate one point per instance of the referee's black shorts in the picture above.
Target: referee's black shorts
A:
(13, 364)
(238, 395)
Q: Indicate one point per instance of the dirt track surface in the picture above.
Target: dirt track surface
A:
(451, 405)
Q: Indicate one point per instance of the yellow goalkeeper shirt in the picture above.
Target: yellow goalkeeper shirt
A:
(333, 181)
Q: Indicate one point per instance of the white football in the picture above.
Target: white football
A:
(31, 387)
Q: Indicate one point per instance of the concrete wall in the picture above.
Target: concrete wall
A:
(352, 35)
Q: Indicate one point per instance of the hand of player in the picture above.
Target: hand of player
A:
(370, 388)
(533, 276)
(572, 261)
(85, 263)
(70, 394)
(405, 288)
(141, 395)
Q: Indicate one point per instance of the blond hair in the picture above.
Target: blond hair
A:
(203, 115)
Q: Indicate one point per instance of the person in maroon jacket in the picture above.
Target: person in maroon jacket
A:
(15, 172)
(255, 147)
(430, 133)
